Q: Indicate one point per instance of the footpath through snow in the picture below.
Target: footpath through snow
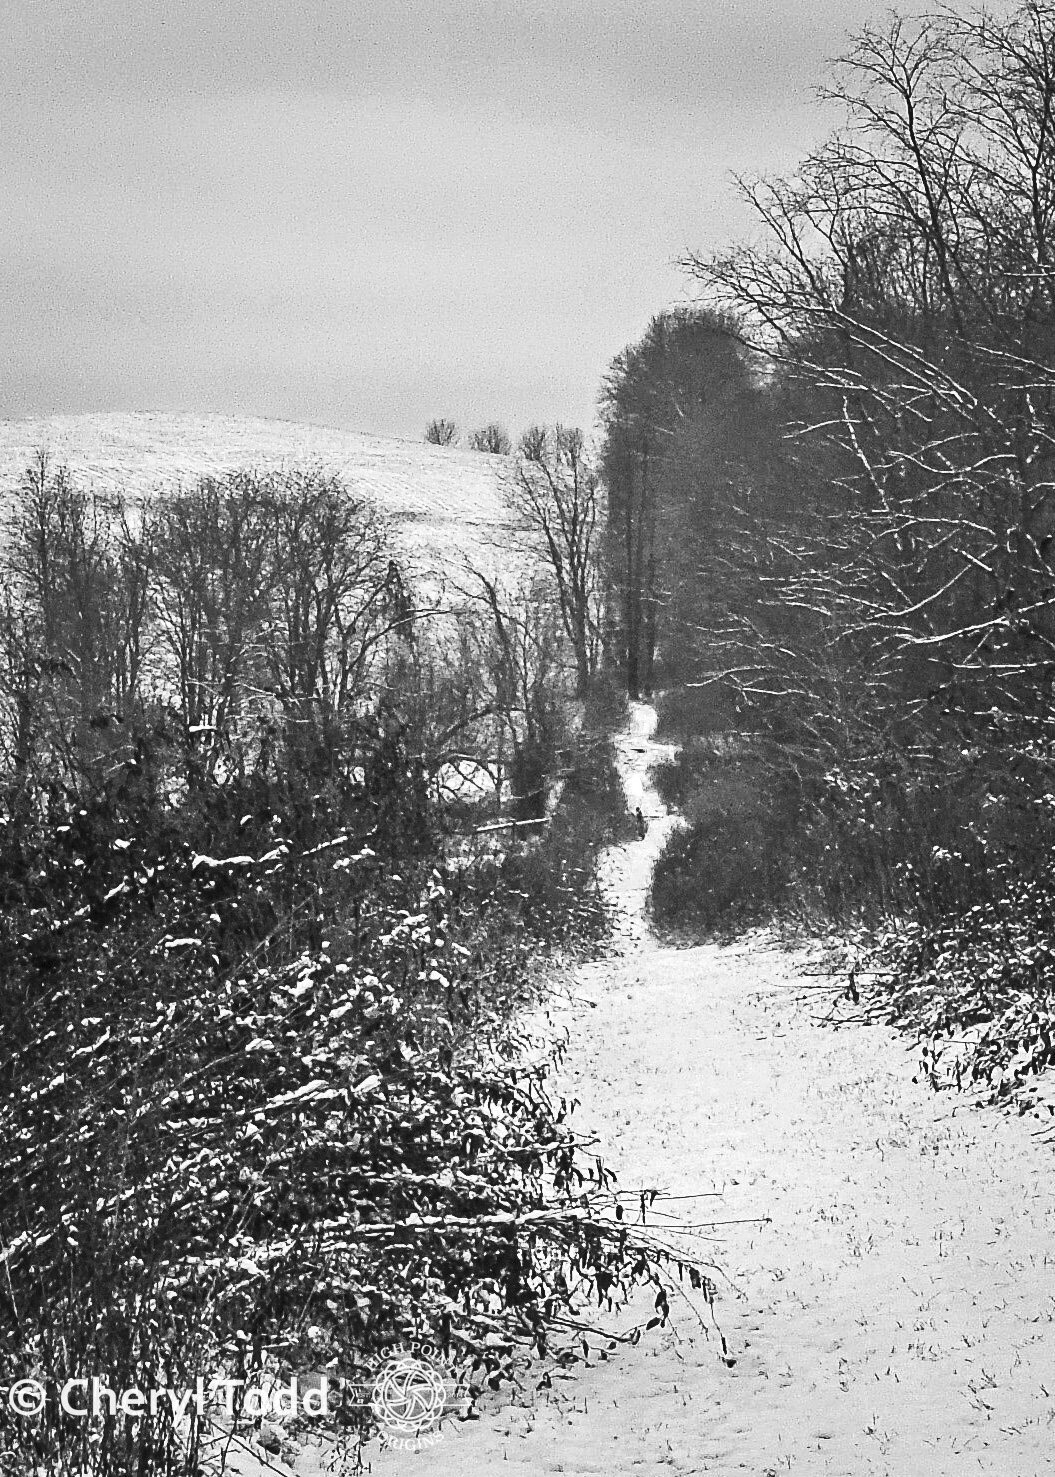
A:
(895, 1314)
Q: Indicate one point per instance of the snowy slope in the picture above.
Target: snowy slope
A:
(448, 503)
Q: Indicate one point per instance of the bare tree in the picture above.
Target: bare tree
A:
(440, 686)
(908, 289)
(335, 594)
(491, 438)
(556, 491)
(519, 650)
(213, 570)
(276, 595)
(74, 625)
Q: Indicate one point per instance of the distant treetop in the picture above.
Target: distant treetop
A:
(441, 432)
(493, 438)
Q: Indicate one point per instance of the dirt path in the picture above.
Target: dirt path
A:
(895, 1315)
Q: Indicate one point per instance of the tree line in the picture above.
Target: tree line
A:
(262, 623)
(832, 530)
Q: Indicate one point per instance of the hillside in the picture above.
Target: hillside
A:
(448, 503)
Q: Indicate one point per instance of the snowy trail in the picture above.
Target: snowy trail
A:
(895, 1316)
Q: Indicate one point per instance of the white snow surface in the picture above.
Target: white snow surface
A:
(894, 1317)
(446, 502)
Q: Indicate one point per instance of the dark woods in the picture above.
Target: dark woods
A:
(683, 452)
(863, 670)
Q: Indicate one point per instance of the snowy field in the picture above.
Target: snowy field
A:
(448, 503)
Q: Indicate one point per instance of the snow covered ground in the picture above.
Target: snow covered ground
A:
(446, 502)
(895, 1314)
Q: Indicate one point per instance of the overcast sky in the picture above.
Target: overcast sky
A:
(365, 216)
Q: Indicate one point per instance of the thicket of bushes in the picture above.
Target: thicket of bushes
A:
(853, 848)
(266, 1100)
(266, 1111)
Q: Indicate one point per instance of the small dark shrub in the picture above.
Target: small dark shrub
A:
(730, 863)
(694, 768)
(689, 712)
(606, 704)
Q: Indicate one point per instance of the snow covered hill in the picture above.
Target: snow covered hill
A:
(447, 503)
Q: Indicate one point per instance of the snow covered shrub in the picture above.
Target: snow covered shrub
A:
(265, 1104)
(967, 956)
(268, 1110)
